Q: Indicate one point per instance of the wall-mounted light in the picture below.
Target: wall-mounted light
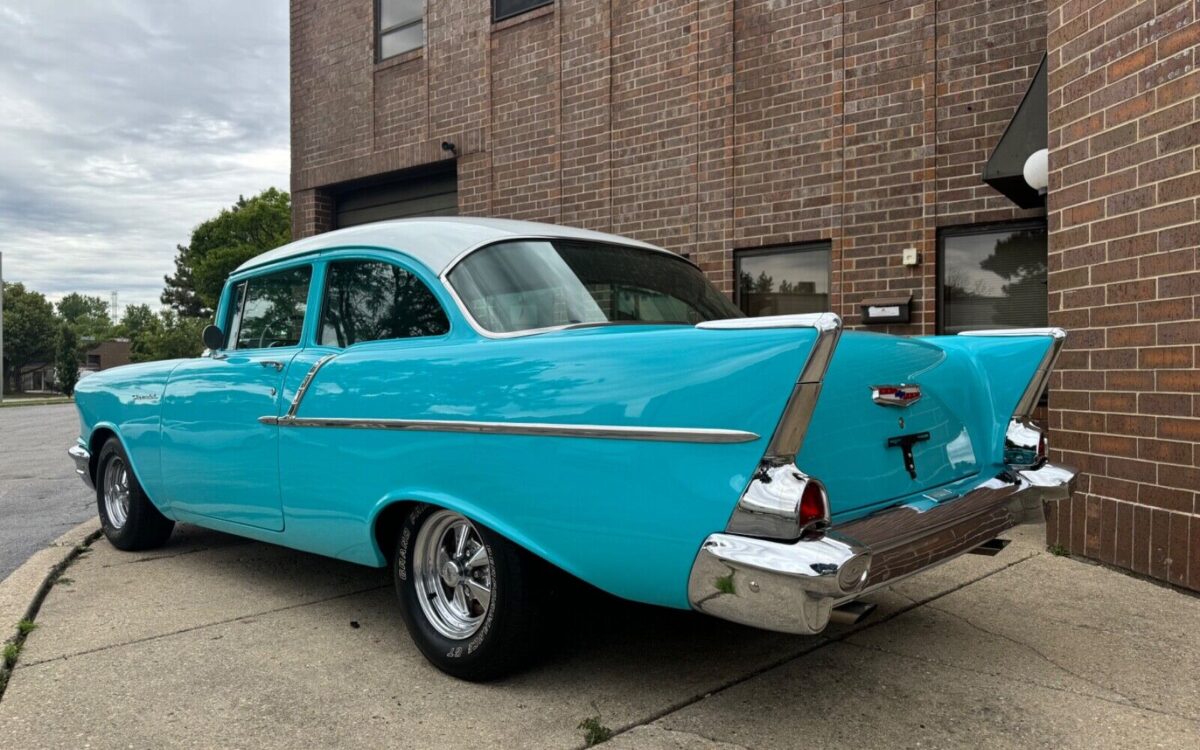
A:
(448, 146)
(1037, 170)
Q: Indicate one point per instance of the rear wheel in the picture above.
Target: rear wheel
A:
(463, 594)
(130, 521)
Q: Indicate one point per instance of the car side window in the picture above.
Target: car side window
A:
(370, 300)
(268, 310)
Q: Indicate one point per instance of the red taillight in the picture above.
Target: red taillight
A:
(812, 505)
(1042, 446)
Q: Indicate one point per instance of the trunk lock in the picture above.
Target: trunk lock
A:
(906, 443)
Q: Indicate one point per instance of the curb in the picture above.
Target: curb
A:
(24, 590)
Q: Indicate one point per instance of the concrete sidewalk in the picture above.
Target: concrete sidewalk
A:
(214, 641)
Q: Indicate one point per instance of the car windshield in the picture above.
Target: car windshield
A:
(530, 284)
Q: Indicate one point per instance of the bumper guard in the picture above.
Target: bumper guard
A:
(83, 463)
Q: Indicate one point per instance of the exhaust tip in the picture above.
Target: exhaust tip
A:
(851, 613)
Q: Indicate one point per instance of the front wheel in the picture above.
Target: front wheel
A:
(464, 594)
(130, 521)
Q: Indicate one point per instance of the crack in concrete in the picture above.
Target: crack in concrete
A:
(1125, 701)
(821, 643)
(193, 628)
(180, 553)
(1040, 654)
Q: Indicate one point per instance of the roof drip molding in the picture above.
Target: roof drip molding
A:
(1025, 134)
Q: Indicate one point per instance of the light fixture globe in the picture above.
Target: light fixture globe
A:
(1036, 170)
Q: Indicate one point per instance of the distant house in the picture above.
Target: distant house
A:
(105, 355)
(38, 377)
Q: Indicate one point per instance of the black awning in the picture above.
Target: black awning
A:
(1025, 134)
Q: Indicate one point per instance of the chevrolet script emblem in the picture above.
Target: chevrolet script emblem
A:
(896, 395)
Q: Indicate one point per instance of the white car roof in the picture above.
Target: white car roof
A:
(436, 241)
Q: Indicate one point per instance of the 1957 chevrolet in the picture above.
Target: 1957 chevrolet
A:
(469, 400)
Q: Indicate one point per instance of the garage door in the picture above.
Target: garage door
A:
(431, 195)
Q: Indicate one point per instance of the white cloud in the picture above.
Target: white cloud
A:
(123, 124)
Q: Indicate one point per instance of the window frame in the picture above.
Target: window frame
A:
(326, 268)
(230, 307)
(968, 230)
(496, 17)
(380, 31)
(794, 247)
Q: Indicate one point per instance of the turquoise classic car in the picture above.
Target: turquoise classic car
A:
(475, 402)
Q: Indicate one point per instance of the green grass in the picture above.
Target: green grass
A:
(1059, 550)
(11, 652)
(594, 732)
(12, 401)
(25, 627)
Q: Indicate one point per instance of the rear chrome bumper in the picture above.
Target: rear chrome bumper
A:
(83, 461)
(792, 587)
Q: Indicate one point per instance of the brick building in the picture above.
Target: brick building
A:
(794, 150)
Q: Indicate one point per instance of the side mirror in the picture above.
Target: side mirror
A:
(213, 337)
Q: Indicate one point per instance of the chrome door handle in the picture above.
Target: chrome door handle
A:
(272, 363)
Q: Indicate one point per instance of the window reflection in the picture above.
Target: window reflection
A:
(272, 309)
(784, 281)
(994, 278)
(372, 300)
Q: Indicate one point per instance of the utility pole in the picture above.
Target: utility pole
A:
(2, 328)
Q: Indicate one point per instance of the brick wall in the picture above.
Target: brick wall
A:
(705, 127)
(1124, 278)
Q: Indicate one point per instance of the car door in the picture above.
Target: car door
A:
(370, 309)
(218, 459)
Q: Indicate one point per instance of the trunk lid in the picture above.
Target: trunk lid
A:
(856, 446)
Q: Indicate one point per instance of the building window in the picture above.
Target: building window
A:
(992, 277)
(502, 9)
(784, 280)
(401, 26)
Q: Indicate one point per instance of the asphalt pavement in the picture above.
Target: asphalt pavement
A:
(40, 495)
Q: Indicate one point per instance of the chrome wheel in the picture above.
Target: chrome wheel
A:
(453, 574)
(116, 492)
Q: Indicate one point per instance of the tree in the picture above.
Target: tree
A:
(168, 336)
(89, 317)
(29, 330)
(248, 228)
(135, 321)
(66, 359)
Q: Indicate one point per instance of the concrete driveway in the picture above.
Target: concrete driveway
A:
(218, 642)
(40, 494)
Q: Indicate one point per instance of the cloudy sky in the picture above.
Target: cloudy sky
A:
(123, 124)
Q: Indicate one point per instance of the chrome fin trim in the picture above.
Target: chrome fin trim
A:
(1041, 376)
(613, 432)
(774, 512)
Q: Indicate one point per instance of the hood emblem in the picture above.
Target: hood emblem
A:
(905, 394)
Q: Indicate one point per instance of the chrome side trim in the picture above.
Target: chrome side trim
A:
(304, 385)
(1041, 376)
(614, 432)
(83, 461)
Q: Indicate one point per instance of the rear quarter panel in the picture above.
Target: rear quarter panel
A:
(625, 515)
